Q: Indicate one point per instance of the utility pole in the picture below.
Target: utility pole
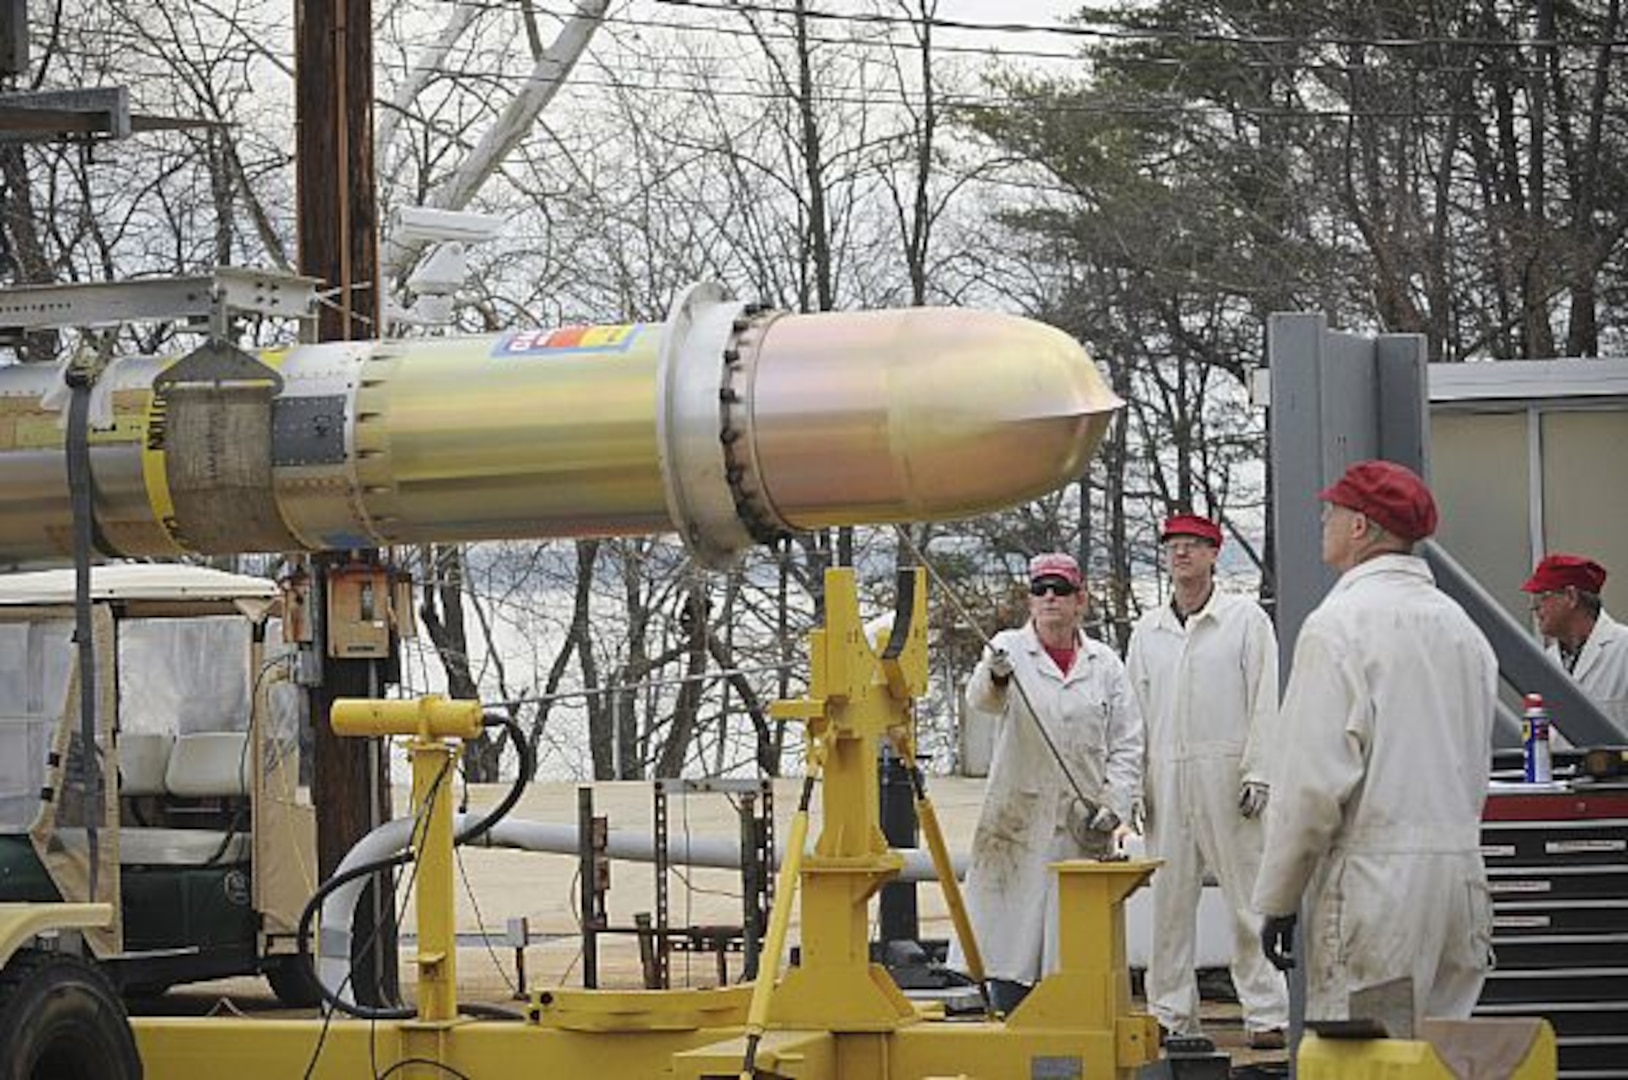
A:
(338, 243)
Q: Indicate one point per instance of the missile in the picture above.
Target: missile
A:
(728, 423)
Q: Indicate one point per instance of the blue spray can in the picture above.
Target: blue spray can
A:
(1535, 741)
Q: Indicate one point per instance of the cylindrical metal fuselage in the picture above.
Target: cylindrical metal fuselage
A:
(726, 425)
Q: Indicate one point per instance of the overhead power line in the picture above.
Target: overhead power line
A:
(866, 97)
(1150, 34)
(1004, 50)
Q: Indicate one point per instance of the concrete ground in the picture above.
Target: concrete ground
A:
(498, 885)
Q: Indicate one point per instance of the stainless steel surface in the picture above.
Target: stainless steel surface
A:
(723, 425)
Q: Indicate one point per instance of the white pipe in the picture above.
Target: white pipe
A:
(333, 945)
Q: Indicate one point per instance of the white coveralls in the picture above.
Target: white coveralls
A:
(1386, 733)
(1602, 667)
(1208, 697)
(1091, 716)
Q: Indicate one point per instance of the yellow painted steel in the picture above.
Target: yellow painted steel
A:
(904, 747)
(434, 763)
(928, 816)
(428, 717)
(774, 942)
(622, 1011)
(1416, 1059)
(432, 721)
(21, 923)
(849, 710)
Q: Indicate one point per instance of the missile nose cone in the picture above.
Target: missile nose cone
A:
(919, 414)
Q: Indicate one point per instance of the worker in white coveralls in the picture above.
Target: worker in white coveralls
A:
(1205, 671)
(1032, 814)
(1583, 639)
(1386, 733)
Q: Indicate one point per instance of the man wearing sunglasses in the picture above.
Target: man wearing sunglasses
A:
(1205, 671)
(1385, 737)
(1583, 639)
(1063, 703)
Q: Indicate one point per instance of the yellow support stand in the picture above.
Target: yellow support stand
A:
(434, 723)
(854, 698)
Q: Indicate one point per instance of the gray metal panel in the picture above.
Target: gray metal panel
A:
(1350, 406)
(1404, 401)
(1296, 427)
(308, 430)
(1516, 382)
(1295, 422)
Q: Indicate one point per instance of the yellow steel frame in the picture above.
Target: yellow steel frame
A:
(836, 1016)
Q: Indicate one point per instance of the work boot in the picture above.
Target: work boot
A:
(1267, 1039)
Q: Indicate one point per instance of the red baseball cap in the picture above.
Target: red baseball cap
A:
(1191, 525)
(1391, 495)
(1559, 571)
(1055, 564)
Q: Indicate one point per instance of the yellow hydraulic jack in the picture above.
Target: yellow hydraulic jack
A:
(835, 1015)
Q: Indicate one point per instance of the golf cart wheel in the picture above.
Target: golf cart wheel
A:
(60, 1019)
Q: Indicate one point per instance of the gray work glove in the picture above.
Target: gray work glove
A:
(1277, 940)
(1252, 798)
(1000, 665)
(1104, 820)
(1139, 818)
(1087, 825)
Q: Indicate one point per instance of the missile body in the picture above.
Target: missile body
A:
(730, 425)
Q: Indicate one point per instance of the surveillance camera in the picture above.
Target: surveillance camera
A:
(441, 272)
(424, 224)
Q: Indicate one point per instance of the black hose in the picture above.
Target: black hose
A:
(302, 938)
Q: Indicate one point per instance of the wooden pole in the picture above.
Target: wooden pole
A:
(339, 243)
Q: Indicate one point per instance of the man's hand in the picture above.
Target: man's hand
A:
(1277, 940)
(1252, 798)
(1139, 818)
(1000, 665)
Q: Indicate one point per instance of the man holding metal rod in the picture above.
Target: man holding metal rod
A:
(1066, 773)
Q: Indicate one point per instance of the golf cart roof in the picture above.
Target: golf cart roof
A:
(134, 581)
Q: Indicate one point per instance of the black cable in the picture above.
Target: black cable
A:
(302, 940)
(81, 490)
(480, 922)
(404, 1062)
(1095, 30)
(401, 858)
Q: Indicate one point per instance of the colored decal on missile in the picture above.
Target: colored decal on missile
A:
(568, 339)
